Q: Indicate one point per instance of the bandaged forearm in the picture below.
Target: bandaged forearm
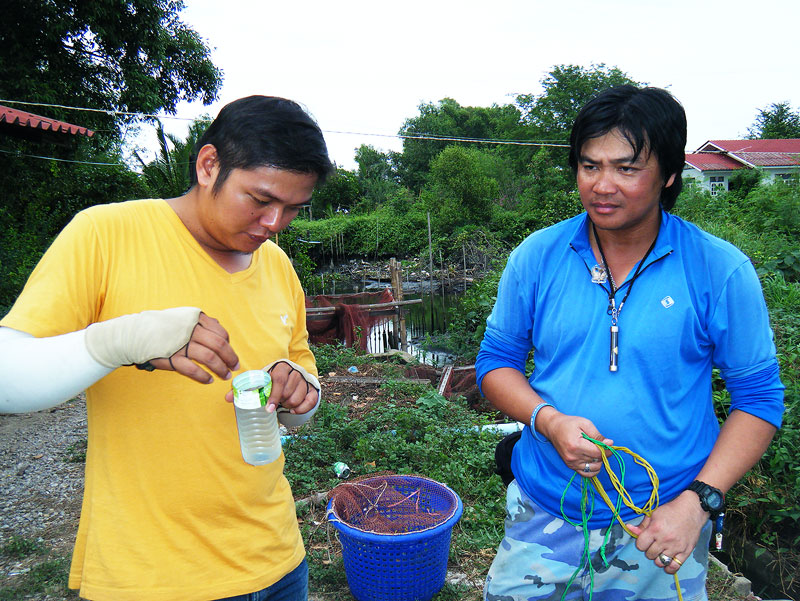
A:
(286, 417)
(39, 373)
(139, 337)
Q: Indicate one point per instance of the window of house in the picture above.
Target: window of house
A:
(717, 184)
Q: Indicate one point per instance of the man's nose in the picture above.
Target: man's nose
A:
(271, 217)
(604, 184)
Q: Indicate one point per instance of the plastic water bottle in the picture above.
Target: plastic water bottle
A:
(259, 436)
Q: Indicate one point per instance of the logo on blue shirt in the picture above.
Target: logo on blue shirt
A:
(667, 302)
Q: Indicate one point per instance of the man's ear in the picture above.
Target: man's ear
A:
(670, 181)
(207, 166)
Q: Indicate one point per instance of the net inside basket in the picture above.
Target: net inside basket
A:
(393, 504)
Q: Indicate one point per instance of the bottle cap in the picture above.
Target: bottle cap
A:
(251, 389)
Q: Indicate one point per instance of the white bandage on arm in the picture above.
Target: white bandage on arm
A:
(39, 373)
(138, 337)
(286, 417)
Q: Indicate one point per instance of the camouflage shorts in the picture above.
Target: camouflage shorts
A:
(540, 553)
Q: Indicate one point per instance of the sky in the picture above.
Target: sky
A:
(364, 67)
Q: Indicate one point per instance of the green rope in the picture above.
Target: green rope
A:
(587, 510)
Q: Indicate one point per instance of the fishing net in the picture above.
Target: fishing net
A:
(350, 322)
(393, 504)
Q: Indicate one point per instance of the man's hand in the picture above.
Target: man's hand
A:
(290, 390)
(566, 432)
(208, 346)
(671, 530)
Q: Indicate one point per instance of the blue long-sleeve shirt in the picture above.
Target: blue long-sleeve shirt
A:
(696, 304)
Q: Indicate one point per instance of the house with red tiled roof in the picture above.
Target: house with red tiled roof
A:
(712, 165)
(21, 124)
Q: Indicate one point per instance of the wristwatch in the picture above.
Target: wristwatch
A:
(711, 499)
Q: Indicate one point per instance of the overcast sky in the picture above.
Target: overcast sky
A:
(365, 66)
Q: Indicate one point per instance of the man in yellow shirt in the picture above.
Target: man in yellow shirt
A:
(130, 293)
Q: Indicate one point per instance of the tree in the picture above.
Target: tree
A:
(566, 89)
(115, 55)
(777, 121)
(448, 119)
(341, 191)
(376, 176)
(168, 174)
(110, 55)
(459, 191)
(372, 163)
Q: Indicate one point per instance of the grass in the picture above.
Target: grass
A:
(41, 572)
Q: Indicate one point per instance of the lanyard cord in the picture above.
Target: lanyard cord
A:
(613, 310)
(587, 502)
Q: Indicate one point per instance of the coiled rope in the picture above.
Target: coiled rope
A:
(587, 506)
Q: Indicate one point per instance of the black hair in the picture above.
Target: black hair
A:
(259, 131)
(651, 120)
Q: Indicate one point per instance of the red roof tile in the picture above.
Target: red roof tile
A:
(712, 161)
(23, 119)
(737, 146)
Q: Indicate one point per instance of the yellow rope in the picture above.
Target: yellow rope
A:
(649, 506)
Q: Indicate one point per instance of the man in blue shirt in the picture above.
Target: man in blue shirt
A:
(627, 310)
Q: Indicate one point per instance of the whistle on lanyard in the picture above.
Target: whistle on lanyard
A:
(718, 525)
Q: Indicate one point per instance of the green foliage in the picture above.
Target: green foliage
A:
(764, 224)
(777, 121)
(426, 439)
(432, 401)
(116, 55)
(109, 55)
(468, 321)
(566, 89)
(168, 174)
(20, 547)
(383, 233)
(744, 181)
(40, 199)
(377, 178)
(76, 452)
(47, 578)
(329, 357)
(459, 192)
(448, 119)
(340, 192)
(48, 574)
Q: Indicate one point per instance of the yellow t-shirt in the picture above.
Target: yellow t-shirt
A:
(170, 511)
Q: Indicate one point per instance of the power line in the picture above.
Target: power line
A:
(36, 156)
(104, 111)
(549, 143)
(453, 139)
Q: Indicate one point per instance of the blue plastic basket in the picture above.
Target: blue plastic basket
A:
(400, 567)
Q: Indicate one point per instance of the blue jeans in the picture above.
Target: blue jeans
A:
(292, 587)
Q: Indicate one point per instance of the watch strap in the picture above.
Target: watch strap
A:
(702, 490)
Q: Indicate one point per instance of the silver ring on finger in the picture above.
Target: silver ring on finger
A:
(665, 559)
(587, 468)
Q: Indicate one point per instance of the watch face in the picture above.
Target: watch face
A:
(714, 500)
